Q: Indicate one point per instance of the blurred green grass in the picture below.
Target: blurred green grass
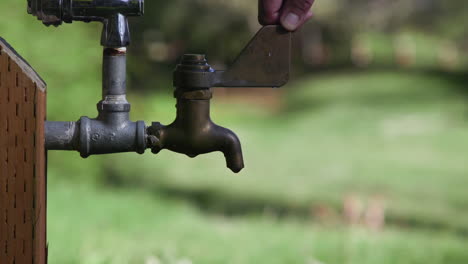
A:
(398, 136)
(95, 225)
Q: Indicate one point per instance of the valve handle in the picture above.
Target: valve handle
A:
(264, 62)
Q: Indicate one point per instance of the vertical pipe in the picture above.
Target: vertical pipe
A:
(114, 107)
(114, 72)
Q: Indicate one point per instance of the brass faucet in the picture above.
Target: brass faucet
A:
(193, 133)
(263, 63)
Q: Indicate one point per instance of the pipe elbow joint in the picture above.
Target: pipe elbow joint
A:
(100, 137)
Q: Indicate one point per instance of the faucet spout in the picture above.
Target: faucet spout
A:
(193, 132)
(231, 147)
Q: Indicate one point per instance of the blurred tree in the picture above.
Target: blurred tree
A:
(338, 35)
(171, 28)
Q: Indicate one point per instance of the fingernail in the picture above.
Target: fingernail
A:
(290, 21)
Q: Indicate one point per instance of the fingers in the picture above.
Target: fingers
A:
(269, 11)
(289, 13)
(295, 13)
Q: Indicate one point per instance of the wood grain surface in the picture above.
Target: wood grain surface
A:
(22, 161)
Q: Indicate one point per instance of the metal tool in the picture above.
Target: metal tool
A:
(265, 62)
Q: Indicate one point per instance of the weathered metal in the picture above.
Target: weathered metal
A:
(112, 131)
(193, 133)
(263, 63)
(112, 13)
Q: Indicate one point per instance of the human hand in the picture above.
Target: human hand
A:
(290, 13)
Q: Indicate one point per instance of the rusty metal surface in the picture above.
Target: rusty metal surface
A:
(22, 161)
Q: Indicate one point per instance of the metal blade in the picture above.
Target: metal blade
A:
(264, 62)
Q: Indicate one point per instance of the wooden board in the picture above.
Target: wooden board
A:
(22, 161)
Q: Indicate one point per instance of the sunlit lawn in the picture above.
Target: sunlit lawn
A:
(397, 137)
(90, 225)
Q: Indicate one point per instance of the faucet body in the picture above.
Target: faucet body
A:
(194, 133)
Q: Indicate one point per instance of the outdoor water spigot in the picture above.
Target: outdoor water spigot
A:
(265, 62)
(112, 13)
(193, 133)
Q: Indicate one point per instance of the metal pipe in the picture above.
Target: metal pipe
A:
(112, 131)
(98, 9)
(193, 132)
(57, 11)
(114, 72)
(61, 135)
(112, 13)
(114, 81)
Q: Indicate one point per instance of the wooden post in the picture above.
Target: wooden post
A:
(22, 161)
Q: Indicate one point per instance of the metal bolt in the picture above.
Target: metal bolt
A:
(153, 141)
(95, 137)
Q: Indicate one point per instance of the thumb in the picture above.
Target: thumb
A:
(295, 13)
